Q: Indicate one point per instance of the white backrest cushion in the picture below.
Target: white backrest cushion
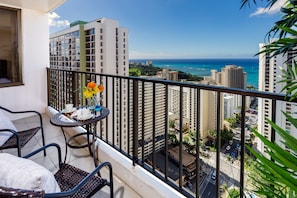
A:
(21, 173)
(5, 123)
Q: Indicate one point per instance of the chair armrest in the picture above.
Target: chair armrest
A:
(10, 111)
(20, 112)
(14, 133)
(10, 130)
(44, 148)
(88, 177)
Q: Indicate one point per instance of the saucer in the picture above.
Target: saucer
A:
(85, 117)
(68, 111)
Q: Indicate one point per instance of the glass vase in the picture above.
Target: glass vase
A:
(94, 104)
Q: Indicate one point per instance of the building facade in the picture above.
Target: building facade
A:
(99, 46)
(234, 77)
(270, 70)
(151, 120)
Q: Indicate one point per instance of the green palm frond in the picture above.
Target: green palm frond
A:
(289, 78)
(278, 172)
(290, 141)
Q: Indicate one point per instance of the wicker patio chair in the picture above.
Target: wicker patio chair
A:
(75, 182)
(20, 138)
(14, 192)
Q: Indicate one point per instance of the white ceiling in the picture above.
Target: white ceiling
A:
(41, 5)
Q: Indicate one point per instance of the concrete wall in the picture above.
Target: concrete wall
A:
(35, 58)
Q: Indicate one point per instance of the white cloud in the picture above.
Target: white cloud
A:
(274, 9)
(53, 20)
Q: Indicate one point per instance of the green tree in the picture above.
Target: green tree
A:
(134, 72)
(232, 121)
(226, 135)
(193, 135)
(171, 123)
(212, 134)
(172, 138)
(233, 193)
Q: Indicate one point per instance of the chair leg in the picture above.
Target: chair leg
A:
(43, 141)
(111, 190)
(111, 181)
(19, 152)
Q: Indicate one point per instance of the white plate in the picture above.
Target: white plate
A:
(85, 118)
(64, 110)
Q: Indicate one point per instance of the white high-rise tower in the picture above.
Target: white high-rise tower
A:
(269, 72)
(99, 46)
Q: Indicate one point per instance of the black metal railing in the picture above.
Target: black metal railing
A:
(138, 126)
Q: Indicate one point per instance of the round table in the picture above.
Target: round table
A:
(65, 120)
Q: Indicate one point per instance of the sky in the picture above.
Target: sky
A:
(178, 28)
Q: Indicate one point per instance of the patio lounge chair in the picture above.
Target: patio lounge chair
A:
(10, 137)
(71, 181)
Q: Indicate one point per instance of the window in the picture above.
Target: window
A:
(10, 64)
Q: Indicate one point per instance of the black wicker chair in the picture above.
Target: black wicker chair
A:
(20, 138)
(75, 182)
(14, 192)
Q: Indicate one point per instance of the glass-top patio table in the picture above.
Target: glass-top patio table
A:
(63, 120)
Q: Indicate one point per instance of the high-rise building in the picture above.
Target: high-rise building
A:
(151, 117)
(234, 77)
(168, 75)
(208, 112)
(99, 46)
(269, 72)
(231, 76)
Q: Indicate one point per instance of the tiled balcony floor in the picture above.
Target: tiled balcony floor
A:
(77, 157)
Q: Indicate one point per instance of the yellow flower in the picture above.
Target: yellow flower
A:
(87, 93)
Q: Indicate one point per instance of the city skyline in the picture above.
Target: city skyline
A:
(175, 29)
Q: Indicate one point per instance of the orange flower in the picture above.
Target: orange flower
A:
(101, 88)
(91, 85)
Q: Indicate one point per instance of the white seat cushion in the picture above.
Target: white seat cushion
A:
(5, 123)
(21, 173)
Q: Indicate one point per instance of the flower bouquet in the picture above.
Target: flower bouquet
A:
(90, 93)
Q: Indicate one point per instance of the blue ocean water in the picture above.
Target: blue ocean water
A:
(202, 67)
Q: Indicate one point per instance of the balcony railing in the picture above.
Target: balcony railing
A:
(141, 128)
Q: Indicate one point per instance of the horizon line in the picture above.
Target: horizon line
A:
(193, 58)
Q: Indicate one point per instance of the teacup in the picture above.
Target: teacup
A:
(85, 113)
(68, 107)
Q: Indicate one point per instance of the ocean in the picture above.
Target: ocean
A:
(202, 67)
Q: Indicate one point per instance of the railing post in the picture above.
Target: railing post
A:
(218, 158)
(181, 138)
(48, 71)
(242, 151)
(198, 163)
(75, 92)
(135, 121)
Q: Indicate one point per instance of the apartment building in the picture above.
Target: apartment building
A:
(232, 76)
(99, 46)
(269, 75)
(208, 112)
(168, 75)
(151, 114)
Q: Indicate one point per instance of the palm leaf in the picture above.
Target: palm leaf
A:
(275, 171)
(290, 141)
(279, 174)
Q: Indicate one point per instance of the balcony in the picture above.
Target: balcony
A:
(137, 137)
(140, 138)
(79, 158)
